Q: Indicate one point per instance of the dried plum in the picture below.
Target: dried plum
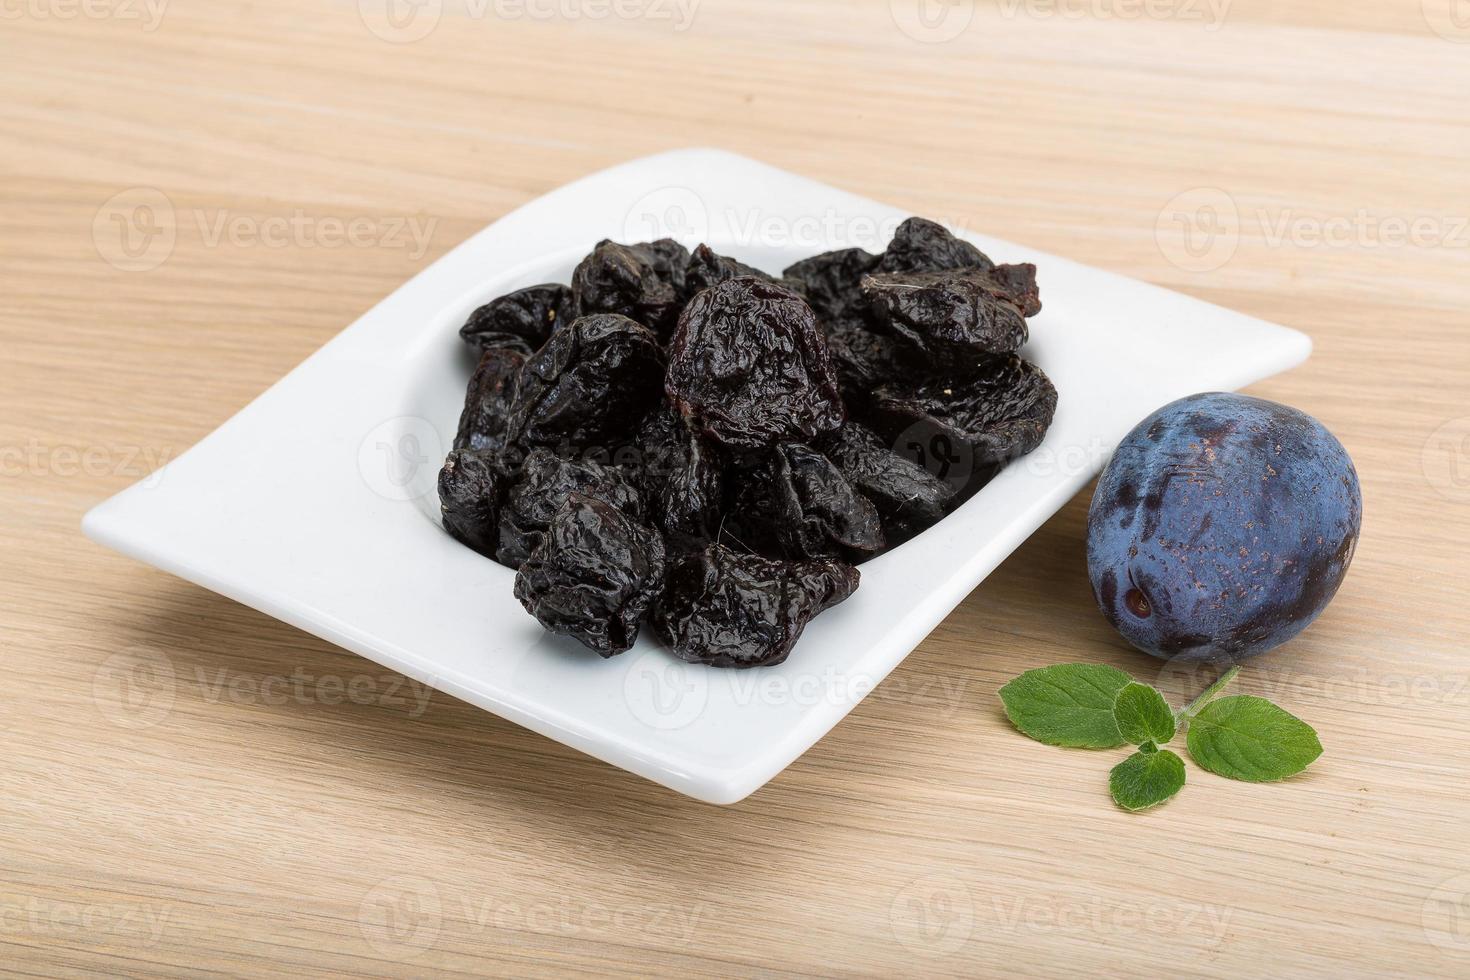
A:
(863, 359)
(521, 320)
(470, 485)
(920, 245)
(589, 386)
(642, 282)
(832, 282)
(796, 503)
(962, 428)
(909, 497)
(749, 368)
(950, 315)
(485, 422)
(707, 268)
(728, 609)
(669, 437)
(688, 508)
(545, 482)
(594, 575)
(1018, 284)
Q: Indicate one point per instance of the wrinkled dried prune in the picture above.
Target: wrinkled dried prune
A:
(642, 282)
(543, 485)
(748, 367)
(950, 315)
(521, 320)
(909, 497)
(470, 486)
(920, 245)
(594, 575)
(969, 425)
(486, 421)
(863, 359)
(688, 508)
(590, 385)
(708, 268)
(832, 282)
(728, 609)
(1018, 284)
(794, 502)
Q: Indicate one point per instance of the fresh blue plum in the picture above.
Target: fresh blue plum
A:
(1222, 527)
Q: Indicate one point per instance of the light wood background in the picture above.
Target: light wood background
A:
(173, 801)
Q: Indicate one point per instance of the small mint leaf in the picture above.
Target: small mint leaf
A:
(1249, 738)
(1143, 715)
(1146, 779)
(1068, 704)
(1147, 748)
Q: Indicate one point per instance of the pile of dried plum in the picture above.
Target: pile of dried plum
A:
(683, 440)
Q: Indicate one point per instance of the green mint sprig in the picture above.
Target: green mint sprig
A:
(1099, 707)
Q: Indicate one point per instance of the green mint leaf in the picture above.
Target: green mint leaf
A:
(1146, 779)
(1068, 704)
(1249, 738)
(1143, 715)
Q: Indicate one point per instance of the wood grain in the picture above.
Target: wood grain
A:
(187, 789)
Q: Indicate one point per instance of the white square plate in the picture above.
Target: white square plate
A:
(316, 503)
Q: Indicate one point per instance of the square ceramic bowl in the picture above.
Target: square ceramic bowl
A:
(316, 504)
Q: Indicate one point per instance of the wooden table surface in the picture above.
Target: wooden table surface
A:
(191, 787)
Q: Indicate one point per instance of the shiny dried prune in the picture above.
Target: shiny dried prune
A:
(543, 485)
(470, 486)
(590, 385)
(967, 426)
(485, 422)
(728, 609)
(832, 282)
(707, 268)
(680, 478)
(642, 282)
(921, 245)
(521, 320)
(948, 316)
(748, 367)
(1018, 284)
(688, 508)
(594, 575)
(863, 359)
(795, 503)
(909, 497)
